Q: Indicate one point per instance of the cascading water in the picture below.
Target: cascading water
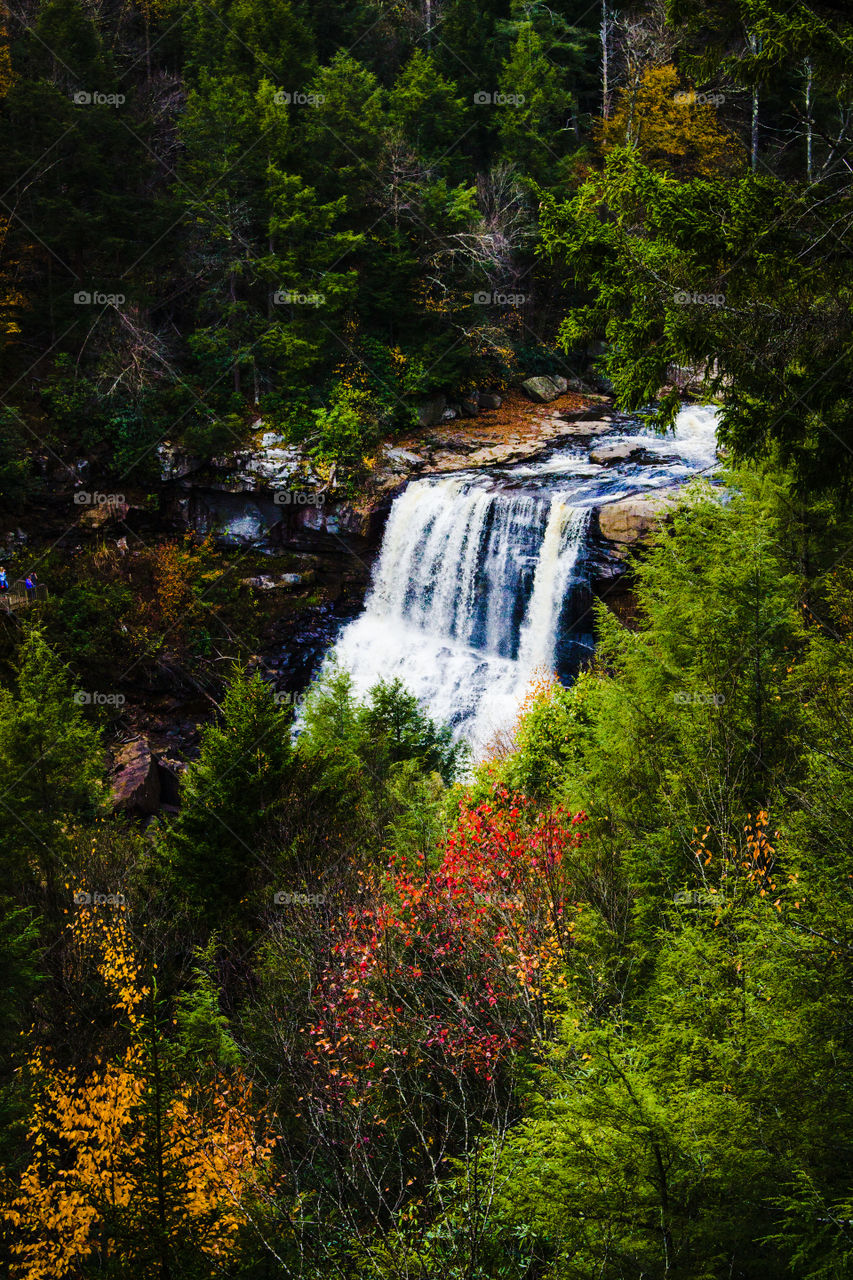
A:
(481, 582)
(467, 599)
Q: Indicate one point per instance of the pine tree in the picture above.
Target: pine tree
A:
(429, 113)
(51, 766)
(228, 796)
(534, 118)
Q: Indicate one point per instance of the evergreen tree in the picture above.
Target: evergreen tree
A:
(535, 111)
(51, 766)
(228, 797)
(427, 110)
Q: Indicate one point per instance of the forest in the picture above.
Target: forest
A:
(338, 993)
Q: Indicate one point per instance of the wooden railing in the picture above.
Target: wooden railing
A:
(19, 596)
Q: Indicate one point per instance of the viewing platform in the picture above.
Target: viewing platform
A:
(19, 596)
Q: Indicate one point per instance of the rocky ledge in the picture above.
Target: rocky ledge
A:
(272, 494)
(630, 520)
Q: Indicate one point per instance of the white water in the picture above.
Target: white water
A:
(480, 583)
(466, 600)
(556, 569)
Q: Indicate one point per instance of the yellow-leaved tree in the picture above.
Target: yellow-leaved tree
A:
(131, 1161)
(672, 128)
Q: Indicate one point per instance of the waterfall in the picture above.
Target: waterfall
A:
(467, 599)
(481, 582)
(555, 571)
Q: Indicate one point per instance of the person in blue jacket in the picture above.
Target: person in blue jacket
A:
(4, 581)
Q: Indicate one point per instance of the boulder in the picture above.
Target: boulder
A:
(280, 581)
(630, 520)
(488, 400)
(136, 786)
(403, 458)
(470, 404)
(430, 410)
(608, 455)
(544, 388)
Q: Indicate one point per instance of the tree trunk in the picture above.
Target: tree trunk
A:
(233, 291)
(755, 47)
(809, 128)
(606, 21)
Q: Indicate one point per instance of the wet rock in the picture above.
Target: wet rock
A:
(591, 414)
(136, 786)
(608, 455)
(280, 581)
(632, 519)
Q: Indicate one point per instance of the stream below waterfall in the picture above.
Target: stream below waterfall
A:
(482, 579)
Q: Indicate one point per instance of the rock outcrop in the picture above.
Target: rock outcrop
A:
(630, 520)
(136, 786)
(609, 455)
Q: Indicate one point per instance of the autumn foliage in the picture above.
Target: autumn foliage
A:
(449, 967)
(672, 128)
(123, 1162)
